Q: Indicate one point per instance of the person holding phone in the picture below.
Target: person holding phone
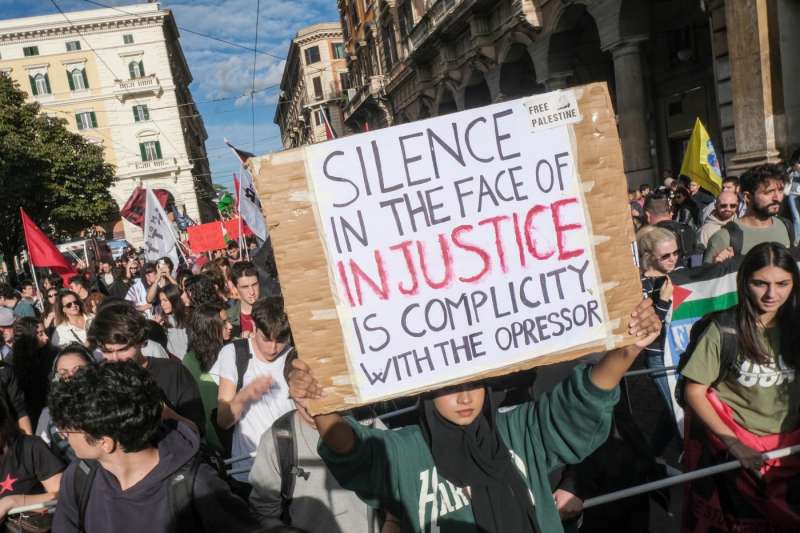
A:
(164, 277)
(659, 255)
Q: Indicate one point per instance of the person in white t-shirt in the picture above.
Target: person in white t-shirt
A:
(263, 396)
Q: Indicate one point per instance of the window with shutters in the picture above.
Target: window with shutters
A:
(86, 120)
(73, 46)
(140, 113)
(317, 88)
(40, 84)
(29, 51)
(150, 150)
(136, 69)
(338, 50)
(77, 79)
(312, 55)
(127, 38)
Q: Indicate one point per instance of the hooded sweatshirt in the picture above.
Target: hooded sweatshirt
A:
(144, 506)
(394, 470)
(711, 226)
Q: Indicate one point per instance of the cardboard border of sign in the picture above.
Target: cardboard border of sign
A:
(310, 296)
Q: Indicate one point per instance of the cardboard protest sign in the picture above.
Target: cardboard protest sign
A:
(458, 247)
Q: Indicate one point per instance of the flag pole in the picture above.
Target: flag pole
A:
(30, 262)
(242, 242)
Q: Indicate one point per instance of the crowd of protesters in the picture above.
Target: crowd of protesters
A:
(153, 396)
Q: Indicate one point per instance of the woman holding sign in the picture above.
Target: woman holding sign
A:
(468, 467)
(744, 395)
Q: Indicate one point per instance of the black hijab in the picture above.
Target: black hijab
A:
(475, 456)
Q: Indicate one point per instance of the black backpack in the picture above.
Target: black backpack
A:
(283, 436)
(737, 237)
(725, 321)
(180, 493)
(686, 237)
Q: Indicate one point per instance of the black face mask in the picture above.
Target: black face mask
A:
(475, 456)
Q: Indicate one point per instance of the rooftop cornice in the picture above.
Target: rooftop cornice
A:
(95, 25)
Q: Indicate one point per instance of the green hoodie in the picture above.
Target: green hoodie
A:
(394, 470)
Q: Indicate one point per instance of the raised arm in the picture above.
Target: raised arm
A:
(646, 326)
(337, 434)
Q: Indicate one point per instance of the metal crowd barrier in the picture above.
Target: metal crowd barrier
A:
(682, 478)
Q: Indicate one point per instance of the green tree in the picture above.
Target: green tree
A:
(59, 178)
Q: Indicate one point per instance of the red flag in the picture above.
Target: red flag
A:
(133, 210)
(42, 252)
(236, 190)
(366, 127)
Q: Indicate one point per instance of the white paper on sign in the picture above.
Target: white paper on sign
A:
(159, 241)
(551, 110)
(456, 245)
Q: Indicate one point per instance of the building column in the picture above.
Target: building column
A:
(559, 80)
(751, 84)
(632, 113)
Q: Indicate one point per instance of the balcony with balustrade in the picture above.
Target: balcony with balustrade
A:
(137, 87)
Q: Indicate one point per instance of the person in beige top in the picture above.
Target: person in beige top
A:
(724, 211)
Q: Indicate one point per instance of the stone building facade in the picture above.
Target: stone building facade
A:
(730, 63)
(315, 81)
(120, 79)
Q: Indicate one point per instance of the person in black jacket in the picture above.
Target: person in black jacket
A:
(137, 473)
(119, 331)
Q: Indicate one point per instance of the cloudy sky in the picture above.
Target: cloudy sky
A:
(221, 70)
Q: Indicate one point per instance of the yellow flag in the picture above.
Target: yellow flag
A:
(700, 161)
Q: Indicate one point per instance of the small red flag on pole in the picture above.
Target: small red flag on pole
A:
(42, 252)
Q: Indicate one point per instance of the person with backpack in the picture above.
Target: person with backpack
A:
(253, 392)
(291, 485)
(467, 466)
(136, 472)
(743, 399)
(762, 188)
(658, 213)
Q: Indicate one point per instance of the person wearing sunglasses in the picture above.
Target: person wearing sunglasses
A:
(659, 255)
(71, 319)
(49, 312)
(724, 211)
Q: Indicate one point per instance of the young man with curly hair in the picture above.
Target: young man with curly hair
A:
(136, 472)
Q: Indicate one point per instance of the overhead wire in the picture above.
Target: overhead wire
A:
(252, 98)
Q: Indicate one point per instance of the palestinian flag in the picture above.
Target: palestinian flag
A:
(696, 292)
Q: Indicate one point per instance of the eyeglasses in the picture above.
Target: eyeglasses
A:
(669, 255)
(67, 305)
(729, 206)
(52, 294)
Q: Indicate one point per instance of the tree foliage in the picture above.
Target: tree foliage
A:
(59, 178)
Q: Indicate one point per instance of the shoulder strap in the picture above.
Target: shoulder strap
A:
(243, 357)
(789, 229)
(736, 236)
(283, 435)
(84, 479)
(180, 495)
(729, 346)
